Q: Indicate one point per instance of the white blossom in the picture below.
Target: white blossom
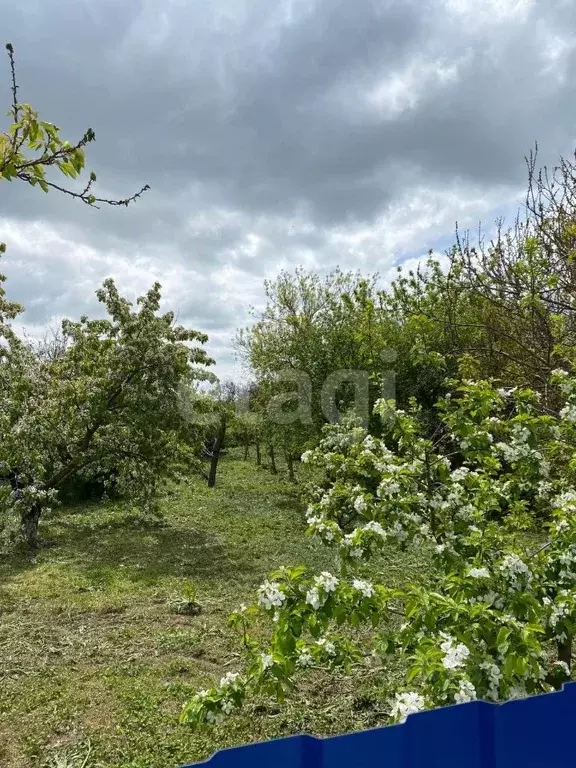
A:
(327, 645)
(313, 598)
(454, 655)
(493, 674)
(365, 587)
(559, 612)
(326, 581)
(521, 433)
(563, 666)
(479, 573)
(406, 704)
(565, 383)
(356, 552)
(388, 488)
(270, 595)
(375, 528)
(506, 392)
(320, 525)
(304, 658)
(512, 452)
(565, 499)
(514, 568)
(517, 692)
(465, 693)
(229, 679)
(568, 413)
(267, 661)
(214, 718)
(492, 598)
(398, 531)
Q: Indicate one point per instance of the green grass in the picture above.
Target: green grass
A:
(94, 664)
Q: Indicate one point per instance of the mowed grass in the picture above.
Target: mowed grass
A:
(94, 665)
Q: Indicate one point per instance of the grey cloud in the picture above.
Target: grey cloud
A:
(246, 117)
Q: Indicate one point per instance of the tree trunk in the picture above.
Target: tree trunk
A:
(246, 448)
(272, 459)
(258, 456)
(290, 463)
(216, 452)
(29, 522)
(565, 652)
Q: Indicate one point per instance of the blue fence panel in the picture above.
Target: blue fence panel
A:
(537, 732)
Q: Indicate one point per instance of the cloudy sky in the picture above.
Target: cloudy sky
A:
(275, 133)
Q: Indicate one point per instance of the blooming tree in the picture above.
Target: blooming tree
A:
(109, 405)
(490, 499)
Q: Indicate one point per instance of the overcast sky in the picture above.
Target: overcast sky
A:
(274, 133)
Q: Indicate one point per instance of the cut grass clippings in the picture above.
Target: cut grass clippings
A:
(95, 665)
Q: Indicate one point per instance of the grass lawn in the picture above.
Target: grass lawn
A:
(94, 665)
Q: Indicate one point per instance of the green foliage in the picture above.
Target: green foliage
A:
(316, 327)
(187, 603)
(499, 617)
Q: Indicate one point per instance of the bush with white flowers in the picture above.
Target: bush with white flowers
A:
(491, 500)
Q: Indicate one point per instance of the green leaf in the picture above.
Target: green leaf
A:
(413, 673)
(502, 643)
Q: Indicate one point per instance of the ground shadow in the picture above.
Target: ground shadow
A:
(143, 554)
(146, 554)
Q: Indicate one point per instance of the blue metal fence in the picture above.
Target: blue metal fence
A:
(537, 732)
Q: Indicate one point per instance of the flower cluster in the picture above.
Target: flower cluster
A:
(479, 573)
(406, 704)
(516, 571)
(365, 587)
(455, 654)
(492, 672)
(270, 596)
(466, 692)
(326, 581)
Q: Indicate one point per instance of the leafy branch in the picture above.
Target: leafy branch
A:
(30, 146)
